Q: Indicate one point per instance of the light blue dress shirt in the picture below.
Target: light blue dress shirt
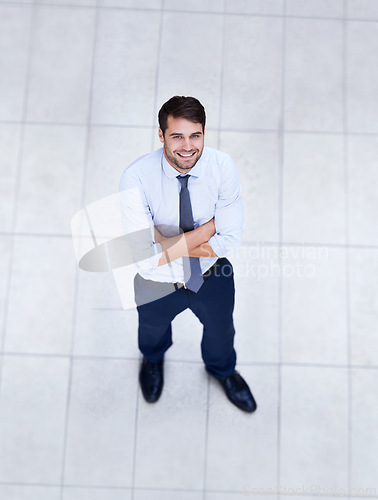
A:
(149, 193)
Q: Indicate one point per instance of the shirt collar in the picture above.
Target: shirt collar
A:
(171, 172)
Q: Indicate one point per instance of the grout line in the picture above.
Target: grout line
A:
(347, 255)
(221, 78)
(298, 364)
(135, 437)
(249, 243)
(76, 284)
(157, 75)
(280, 237)
(211, 129)
(192, 12)
(8, 278)
(206, 438)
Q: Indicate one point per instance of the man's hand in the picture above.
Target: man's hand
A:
(183, 244)
(208, 229)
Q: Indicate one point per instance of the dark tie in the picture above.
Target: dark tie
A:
(192, 269)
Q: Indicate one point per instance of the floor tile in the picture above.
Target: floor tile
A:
(5, 252)
(41, 296)
(364, 438)
(362, 189)
(129, 4)
(242, 447)
(314, 427)
(314, 328)
(61, 60)
(9, 151)
(74, 3)
(171, 433)
(275, 7)
(167, 495)
(246, 492)
(315, 8)
(361, 79)
(314, 75)
(96, 494)
(363, 284)
(102, 328)
(204, 58)
(100, 435)
(362, 9)
(111, 151)
(15, 25)
(124, 74)
(251, 97)
(32, 419)
(256, 314)
(313, 189)
(20, 492)
(196, 5)
(257, 159)
(51, 176)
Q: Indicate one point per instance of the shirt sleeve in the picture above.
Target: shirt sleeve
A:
(229, 213)
(138, 224)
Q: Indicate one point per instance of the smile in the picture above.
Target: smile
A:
(187, 155)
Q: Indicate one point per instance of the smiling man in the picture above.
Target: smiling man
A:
(185, 201)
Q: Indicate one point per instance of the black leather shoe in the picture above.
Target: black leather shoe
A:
(238, 392)
(151, 379)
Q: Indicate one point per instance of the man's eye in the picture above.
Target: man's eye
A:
(177, 137)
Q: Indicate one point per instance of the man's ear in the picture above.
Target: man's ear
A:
(161, 135)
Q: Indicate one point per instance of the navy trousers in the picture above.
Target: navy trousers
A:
(213, 305)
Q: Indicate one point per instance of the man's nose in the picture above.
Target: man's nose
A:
(187, 144)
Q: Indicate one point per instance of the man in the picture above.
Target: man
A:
(182, 209)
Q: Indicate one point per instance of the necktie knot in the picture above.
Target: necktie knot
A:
(183, 180)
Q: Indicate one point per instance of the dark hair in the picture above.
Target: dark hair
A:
(182, 107)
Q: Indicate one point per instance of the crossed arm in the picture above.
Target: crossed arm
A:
(193, 243)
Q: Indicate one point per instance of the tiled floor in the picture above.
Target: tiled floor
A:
(291, 92)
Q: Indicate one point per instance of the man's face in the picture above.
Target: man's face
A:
(183, 143)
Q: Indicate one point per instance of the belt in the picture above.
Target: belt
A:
(206, 275)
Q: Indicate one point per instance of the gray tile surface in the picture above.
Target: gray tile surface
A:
(32, 417)
(271, 7)
(363, 435)
(61, 64)
(315, 8)
(96, 494)
(257, 158)
(19, 492)
(242, 447)
(9, 149)
(252, 67)
(123, 88)
(256, 316)
(100, 434)
(15, 26)
(314, 48)
(204, 58)
(314, 427)
(41, 296)
(178, 442)
(363, 306)
(314, 328)
(361, 78)
(313, 189)
(363, 186)
(102, 328)
(362, 9)
(51, 175)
